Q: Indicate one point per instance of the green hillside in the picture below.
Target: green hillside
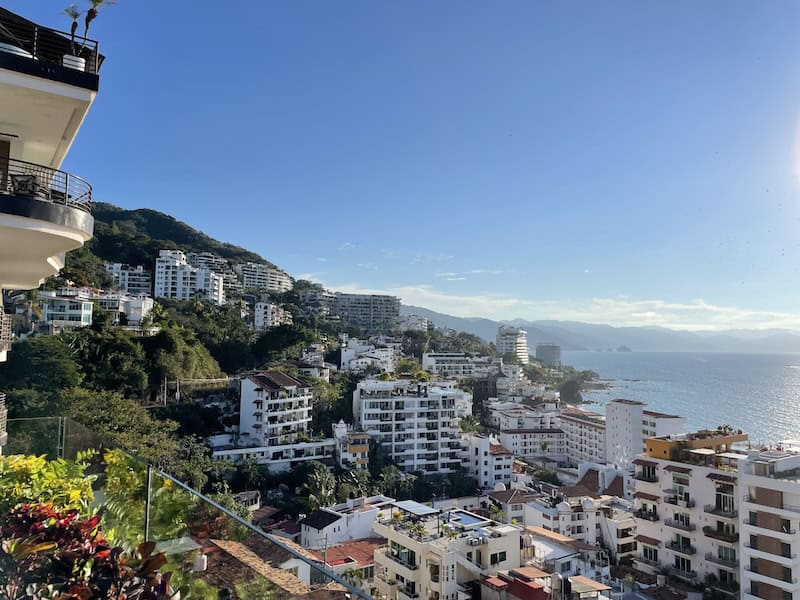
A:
(135, 237)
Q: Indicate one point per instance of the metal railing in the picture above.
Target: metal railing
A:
(675, 524)
(724, 536)
(731, 563)
(682, 548)
(647, 515)
(43, 44)
(5, 331)
(22, 178)
(713, 509)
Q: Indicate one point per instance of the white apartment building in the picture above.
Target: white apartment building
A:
(417, 423)
(514, 386)
(414, 323)
(513, 340)
(219, 265)
(485, 459)
(688, 499)
(358, 355)
(629, 425)
(274, 419)
(257, 276)
(513, 415)
(61, 313)
(351, 520)
(585, 434)
(135, 280)
(549, 355)
(557, 553)
(434, 555)
(370, 312)
(450, 365)
(550, 442)
(769, 518)
(176, 278)
(267, 315)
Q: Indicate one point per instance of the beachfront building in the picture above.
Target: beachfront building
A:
(513, 340)
(418, 423)
(549, 442)
(488, 461)
(176, 278)
(628, 425)
(769, 509)
(136, 280)
(435, 554)
(585, 435)
(371, 312)
(688, 500)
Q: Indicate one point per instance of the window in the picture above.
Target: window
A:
(683, 564)
(650, 553)
(566, 566)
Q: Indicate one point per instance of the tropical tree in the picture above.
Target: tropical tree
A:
(470, 424)
(74, 13)
(320, 486)
(91, 14)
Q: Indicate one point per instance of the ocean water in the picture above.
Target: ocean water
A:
(759, 393)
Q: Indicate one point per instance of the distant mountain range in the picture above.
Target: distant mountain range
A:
(573, 335)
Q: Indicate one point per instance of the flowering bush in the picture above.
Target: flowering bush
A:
(57, 554)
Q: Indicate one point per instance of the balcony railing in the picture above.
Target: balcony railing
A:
(46, 45)
(206, 544)
(724, 536)
(646, 477)
(719, 560)
(647, 515)
(712, 509)
(44, 183)
(680, 525)
(682, 548)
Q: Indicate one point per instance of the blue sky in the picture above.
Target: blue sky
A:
(625, 162)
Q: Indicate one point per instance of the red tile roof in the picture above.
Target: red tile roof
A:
(616, 488)
(498, 449)
(360, 552)
(495, 582)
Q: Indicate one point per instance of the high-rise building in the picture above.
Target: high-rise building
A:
(219, 265)
(134, 280)
(417, 423)
(176, 278)
(371, 312)
(258, 276)
(513, 340)
(46, 92)
(628, 427)
(549, 355)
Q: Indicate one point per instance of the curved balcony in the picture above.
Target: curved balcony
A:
(44, 213)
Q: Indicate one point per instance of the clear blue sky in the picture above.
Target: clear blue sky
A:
(614, 162)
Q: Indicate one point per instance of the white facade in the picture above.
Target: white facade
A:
(351, 520)
(267, 315)
(436, 559)
(486, 460)
(455, 365)
(134, 280)
(352, 447)
(370, 312)
(414, 323)
(416, 422)
(119, 304)
(61, 313)
(513, 340)
(533, 443)
(257, 276)
(585, 433)
(629, 425)
(357, 355)
(176, 278)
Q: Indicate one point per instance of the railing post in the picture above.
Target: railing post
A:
(66, 188)
(148, 498)
(36, 41)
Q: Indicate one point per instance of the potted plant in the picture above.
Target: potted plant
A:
(73, 61)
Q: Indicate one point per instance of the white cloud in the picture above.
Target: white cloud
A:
(368, 265)
(322, 259)
(694, 315)
(312, 277)
(346, 246)
(453, 276)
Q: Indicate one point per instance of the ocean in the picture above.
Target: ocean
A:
(759, 393)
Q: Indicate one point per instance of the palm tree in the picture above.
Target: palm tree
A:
(91, 14)
(470, 424)
(73, 13)
(321, 487)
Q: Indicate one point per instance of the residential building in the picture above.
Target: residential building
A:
(688, 498)
(44, 212)
(414, 323)
(629, 425)
(316, 371)
(514, 386)
(62, 313)
(512, 503)
(316, 300)
(550, 442)
(449, 365)
(513, 415)
(549, 355)
(531, 583)
(435, 555)
(769, 517)
(354, 559)
(219, 265)
(485, 459)
(371, 312)
(352, 447)
(417, 423)
(176, 278)
(513, 340)
(267, 315)
(358, 355)
(585, 434)
(274, 418)
(350, 520)
(258, 276)
(136, 280)
(559, 554)
(124, 308)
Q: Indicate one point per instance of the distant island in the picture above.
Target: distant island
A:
(623, 349)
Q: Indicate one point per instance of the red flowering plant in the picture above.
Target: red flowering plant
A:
(56, 554)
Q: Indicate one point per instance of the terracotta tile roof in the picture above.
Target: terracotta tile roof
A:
(498, 449)
(274, 380)
(575, 491)
(581, 584)
(551, 535)
(360, 552)
(514, 496)
(495, 582)
(265, 512)
(590, 480)
(530, 572)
